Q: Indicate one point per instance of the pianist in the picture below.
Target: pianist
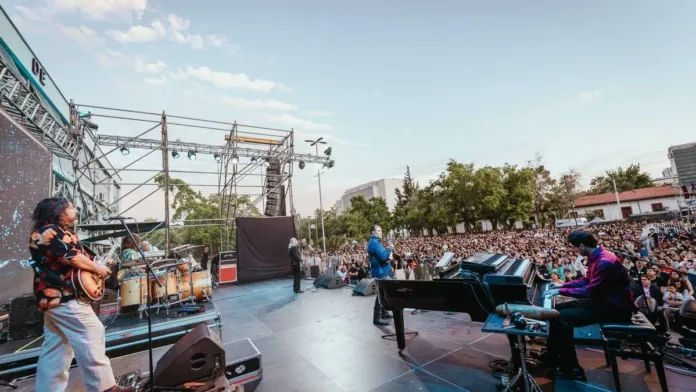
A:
(380, 267)
(604, 295)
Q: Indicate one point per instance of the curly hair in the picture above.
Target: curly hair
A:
(49, 211)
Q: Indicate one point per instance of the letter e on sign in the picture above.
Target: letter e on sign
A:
(38, 71)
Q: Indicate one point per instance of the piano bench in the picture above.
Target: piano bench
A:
(620, 340)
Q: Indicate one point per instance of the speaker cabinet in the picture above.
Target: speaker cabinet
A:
(196, 356)
(25, 320)
(365, 287)
(314, 271)
(330, 281)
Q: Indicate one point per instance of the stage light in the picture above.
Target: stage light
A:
(175, 154)
(85, 114)
(328, 151)
(125, 150)
(330, 164)
(302, 164)
(253, 159)
(90, 124)
(217, 157)
(235, 159)
(192, 155)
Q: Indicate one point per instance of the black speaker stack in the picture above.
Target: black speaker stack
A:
(329, 281)
(275, 193)
(365, 287)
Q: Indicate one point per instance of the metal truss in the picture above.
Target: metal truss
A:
(19, 99)
(223, 150)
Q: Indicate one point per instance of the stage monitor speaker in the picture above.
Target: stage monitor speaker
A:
(196, 356)
(319, 280)
(365, 287)
(333, 281)
(25, 320)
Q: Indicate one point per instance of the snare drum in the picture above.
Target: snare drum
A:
(201, 286)
(133, 291)
(168, 280)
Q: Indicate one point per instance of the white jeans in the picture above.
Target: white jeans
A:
(73, 329)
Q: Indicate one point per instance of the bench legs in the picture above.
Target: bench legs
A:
(646, 355)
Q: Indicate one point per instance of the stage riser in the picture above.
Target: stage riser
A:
(122, 342)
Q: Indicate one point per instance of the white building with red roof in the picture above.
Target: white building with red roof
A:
(637, 201)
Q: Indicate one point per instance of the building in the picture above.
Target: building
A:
(338, 206)
(81, 171)
(383, 188)
(637, 201)
(682, 159)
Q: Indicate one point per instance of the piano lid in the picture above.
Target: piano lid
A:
(445, 260)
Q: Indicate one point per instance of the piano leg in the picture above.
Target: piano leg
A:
(400, 330)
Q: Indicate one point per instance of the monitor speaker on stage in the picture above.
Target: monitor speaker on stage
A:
(196, 356)
(329, 281)
(25, 320)
(365, 287)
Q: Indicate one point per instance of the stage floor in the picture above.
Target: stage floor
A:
(325, 341)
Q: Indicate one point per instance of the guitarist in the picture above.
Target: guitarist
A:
(71, 328)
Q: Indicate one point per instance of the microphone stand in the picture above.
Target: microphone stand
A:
(149, 271)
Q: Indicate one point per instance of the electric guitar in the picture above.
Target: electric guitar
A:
(89, 285)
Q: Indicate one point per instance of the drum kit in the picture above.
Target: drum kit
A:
(182, 283)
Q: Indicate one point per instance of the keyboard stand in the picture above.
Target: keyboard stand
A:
(400, 335)
(495, 324)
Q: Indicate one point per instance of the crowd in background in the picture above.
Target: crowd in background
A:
(663, 251)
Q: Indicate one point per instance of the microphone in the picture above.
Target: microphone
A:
(107, 218)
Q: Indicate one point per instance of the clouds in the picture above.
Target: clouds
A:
(102, 10)
(155, 67)
(82, 35)
(585, 96)
(227, 80)
(257, 104)
(293, 121)
(319, 113)
(175, 28)
(157, 81)
(109, 58)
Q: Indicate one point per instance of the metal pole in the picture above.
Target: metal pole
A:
(321, 205)
(165, 172)
(618, 203)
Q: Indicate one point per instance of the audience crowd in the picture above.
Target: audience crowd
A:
(662, 253)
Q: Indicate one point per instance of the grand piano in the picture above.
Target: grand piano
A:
(474, 286)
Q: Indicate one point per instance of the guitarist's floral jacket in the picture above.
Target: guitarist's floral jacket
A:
(53, 248)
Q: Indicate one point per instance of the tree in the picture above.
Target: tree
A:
(403, 200)
(543, 183)
(626, 180)
(519, 194)
(563, 195)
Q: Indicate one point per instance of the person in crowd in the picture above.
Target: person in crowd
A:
(604, 295)
(71, 328)
(148, 247)
(295, 263)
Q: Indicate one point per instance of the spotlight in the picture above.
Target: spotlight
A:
(217, 157)
(85, 114)
(175, 154)
(192, 155)
(90, 124)
(302, 164)
(328, 151)
(235, 159)
(125, 150)
(330, 164)
(253, 159)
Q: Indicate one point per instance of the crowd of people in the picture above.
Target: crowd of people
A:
(664, 252)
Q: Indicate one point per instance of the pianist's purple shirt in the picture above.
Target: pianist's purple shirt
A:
(607, 280)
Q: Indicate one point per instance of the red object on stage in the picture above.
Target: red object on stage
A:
(228, 273)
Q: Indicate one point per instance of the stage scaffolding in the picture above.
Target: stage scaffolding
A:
(244, 150)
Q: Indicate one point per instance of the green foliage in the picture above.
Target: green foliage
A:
(626, 180)
(208, 220)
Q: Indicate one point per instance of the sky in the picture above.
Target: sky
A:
(589, 85)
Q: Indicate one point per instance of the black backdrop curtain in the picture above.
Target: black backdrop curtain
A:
(262, 247)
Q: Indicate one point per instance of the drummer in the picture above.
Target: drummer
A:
(129, 254)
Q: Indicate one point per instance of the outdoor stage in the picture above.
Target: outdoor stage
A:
(325, 341)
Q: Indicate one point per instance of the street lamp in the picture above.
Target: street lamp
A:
(315, 144)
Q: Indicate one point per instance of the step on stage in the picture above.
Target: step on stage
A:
(125, 334)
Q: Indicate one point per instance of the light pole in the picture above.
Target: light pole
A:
(315, 144)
